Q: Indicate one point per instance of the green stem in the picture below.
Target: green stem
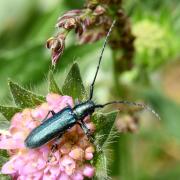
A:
(122, 148)
(118, 90)
(125, 163)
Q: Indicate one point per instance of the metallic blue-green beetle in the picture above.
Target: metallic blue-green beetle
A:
(54, 127)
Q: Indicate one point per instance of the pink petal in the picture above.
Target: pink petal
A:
(31, 125)
(64, 176)
(66, 101)
(16, 119)
(68, 164)
(11, 144)
(77, 153)
(91, 126)
(53, 100)
(29, 168)
(45, 151)
(88, 156)
(77, 176)
(57, 102)
(65, 149)
(38, 175)
(55, 170)
(19, 164)
(22, 178)
(88, 171)
(38, 113)
(83, 142)
(8, 168)
(41, 163)
(49, 177)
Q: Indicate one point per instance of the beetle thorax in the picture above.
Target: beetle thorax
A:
(84, 109)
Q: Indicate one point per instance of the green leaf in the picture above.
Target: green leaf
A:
(3, 159)
(8, 111)
(101, 164)
(5, 177)
(104, 135)
(24, 98)
(104, 125)
(4, 125)
(53, 87)
(73, 85)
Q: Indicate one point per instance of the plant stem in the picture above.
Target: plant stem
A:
(125, 164)
(122, 148)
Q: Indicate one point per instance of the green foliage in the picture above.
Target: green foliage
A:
(103, 136)
(23, 97)
(4, 177)
(104, 125)
(3, 159)
(8, 111)
(73, 85)
(53, 87)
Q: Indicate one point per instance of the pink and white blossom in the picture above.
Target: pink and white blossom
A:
(69, 162)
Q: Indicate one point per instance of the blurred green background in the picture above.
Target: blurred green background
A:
(154, 151)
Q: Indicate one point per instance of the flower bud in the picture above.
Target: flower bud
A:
(99, 10)
(88, 171)
(127, 123)
(77, 153)
(57, 45)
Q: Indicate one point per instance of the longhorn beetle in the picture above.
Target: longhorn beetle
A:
(55, 126)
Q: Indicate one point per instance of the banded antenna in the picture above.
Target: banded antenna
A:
(100, 58)
(130, 104)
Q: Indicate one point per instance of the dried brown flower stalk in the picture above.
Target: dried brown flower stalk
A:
(91, 24)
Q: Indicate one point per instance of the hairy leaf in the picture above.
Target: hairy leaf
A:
(104, 124)
(23, 97)
(3, 159)
(4, 125)
(8, 111)
(104, 135)
(53, 87)
(5, 177)
(73, 85)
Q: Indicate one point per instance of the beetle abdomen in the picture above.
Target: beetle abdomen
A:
(51, 128)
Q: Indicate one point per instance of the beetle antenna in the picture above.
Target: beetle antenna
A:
(100, 58)
(131, 104)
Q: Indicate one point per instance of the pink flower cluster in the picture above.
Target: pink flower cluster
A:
(69, 162)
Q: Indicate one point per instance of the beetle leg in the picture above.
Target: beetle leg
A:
(54, 147)
(53, 113)
(57, 141)
(68, 105)
(87, 132)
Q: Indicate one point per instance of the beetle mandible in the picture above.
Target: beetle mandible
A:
(55, 126)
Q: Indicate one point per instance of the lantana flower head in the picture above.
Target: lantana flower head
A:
(71, 160)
